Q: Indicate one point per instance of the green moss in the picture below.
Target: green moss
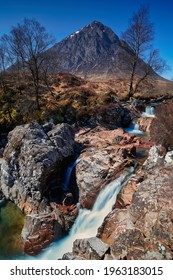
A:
(11, 223)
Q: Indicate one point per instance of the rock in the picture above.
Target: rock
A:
(145, 123)
(91, 172)
(108, 257)
(31, 176)
(139, 105)
(125, 196)
(70, 257)
(38, 232)
(116, 116)
(102, 160)
(69, 214)
(48, 126)
(128, 245)
(144, 229)
(90, 248)
(62, 135)
(2, 200)
(169, 157)
(114, 224)
(32, 160)
(155, 157)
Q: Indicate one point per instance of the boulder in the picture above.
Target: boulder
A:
(32, 161)
(39, 231)
(144, 229)
(125, 196)
(31, 177)
(145, 124)
(90, 248)
(70, 257)
(156, 157)
(102, 160)
(116, 116)
(169, 157)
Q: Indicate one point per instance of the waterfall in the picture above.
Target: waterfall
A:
(88, 221)
(68, 175)
(134, 129)
(149, 112)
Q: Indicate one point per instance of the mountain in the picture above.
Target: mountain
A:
(94, 52)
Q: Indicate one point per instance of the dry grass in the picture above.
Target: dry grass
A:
(70, 98)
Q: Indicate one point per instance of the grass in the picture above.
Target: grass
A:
(68, 98)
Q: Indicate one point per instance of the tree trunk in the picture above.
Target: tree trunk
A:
(37, 99)
(131, 90)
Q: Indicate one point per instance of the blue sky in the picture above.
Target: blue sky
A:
(62, 18)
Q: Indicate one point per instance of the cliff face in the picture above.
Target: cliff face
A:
(94, 52)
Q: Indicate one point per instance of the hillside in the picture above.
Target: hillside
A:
(69, 98)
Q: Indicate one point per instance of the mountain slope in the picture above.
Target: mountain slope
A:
(94, 51)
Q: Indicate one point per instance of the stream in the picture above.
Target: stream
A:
(134, 126)
(85, 226)
(88, 221)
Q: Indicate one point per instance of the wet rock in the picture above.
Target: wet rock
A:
(125, 196)
(39, 231)
(90, 248)
(69, 214)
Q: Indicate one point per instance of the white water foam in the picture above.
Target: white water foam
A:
(149, 112)
(88, 221)
(134, 129)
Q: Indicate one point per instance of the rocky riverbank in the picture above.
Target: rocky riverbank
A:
(33, 171)
(140, 226)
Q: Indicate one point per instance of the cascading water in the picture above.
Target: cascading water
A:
(88, 221)
(68, 175)
(134, 129)
(149, 112)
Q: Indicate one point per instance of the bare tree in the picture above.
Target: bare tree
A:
(28, 42)
(6, 93)
(139, 36)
